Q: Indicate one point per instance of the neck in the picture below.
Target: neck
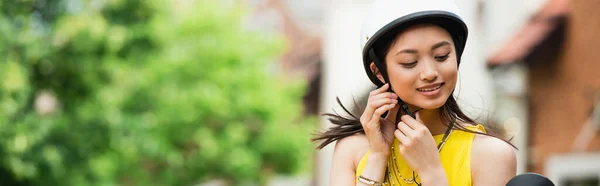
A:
(431, 119)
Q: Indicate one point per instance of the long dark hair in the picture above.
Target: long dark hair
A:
(348, 124)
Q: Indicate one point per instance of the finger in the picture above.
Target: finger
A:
(405, 129)
(369, 113)
(376, 103)
(379, 100)
(411, 122)
(404, 140)
(381, 89)
(370, 109)
(393, 112)
(418, 117)
(383, 95)
(377, 114)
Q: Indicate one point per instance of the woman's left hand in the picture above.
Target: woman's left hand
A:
(418, 148)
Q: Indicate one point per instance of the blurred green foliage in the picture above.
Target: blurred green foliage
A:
(143, 92)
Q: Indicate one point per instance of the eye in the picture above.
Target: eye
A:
(442, 58)
(409, 65)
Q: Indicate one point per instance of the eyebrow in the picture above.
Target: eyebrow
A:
(413, 51)
(440, 44)
(410, 51)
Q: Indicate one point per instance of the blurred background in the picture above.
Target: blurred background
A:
(229, 92)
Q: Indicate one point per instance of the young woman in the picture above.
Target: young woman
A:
(412, 131)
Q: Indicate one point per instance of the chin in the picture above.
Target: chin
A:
(431, 104)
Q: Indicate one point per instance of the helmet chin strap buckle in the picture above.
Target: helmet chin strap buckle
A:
(405, 108)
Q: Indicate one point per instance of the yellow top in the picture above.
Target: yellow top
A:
(455, 157)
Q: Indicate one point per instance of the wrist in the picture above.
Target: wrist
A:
(375, 167)
(377, 161)
(369, 182)
(434, 176)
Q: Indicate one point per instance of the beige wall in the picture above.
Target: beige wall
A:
(342, 72)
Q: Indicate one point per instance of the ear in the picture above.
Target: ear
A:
(375, 71)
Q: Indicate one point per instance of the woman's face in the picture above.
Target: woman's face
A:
(422, 66)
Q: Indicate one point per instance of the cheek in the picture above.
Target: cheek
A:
(450, 74)
(402, 80)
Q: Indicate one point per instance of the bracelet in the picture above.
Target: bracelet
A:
(369, 181)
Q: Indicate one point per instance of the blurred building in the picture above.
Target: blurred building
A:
(554, 54)
(300, 22)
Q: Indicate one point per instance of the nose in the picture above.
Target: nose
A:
(430, 72)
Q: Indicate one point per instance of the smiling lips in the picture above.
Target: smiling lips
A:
(430, 88)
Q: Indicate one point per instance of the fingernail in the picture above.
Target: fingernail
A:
(394, 101)
(394, 95)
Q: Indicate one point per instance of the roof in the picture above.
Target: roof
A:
(540, 25)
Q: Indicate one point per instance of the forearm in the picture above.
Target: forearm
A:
(434, 177)
(374, 168)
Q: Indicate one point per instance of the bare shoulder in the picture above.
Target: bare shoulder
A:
(352, 148)
(346, 158)
(491, 147)
(492, 160)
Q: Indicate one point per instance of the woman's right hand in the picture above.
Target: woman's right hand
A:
(379, 131)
